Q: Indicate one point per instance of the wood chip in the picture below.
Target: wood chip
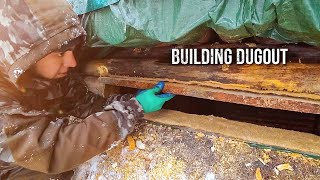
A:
(200, 135)
(266, 158)
(258, 174)
(282, 167)
(131, 142)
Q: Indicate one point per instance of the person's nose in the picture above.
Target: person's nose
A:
(69, 59)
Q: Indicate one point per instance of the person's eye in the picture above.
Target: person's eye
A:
(60, 54)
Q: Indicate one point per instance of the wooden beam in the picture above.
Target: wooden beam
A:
(293, 87)
(292, 140)
(292, 80)
(304, 53)
(211, 93)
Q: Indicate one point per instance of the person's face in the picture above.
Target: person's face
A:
(55, 65)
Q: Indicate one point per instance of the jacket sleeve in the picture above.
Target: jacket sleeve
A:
(39, 142)
(80, 102)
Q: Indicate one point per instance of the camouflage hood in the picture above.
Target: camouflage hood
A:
(32, 29)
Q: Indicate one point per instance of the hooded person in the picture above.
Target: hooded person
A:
(49, 122)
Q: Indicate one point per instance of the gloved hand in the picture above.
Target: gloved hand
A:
(151, 100)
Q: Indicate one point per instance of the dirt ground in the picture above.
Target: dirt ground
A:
(157, 151)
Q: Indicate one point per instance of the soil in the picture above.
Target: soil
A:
(171, 152)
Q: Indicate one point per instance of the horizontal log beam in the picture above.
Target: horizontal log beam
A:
(231, 96)
(292, 87)
(305, 53)
(286, 139)
(292, 80)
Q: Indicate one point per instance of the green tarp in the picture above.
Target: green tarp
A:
(85, 6)
(133, 23)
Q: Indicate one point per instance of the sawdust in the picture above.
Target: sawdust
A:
(179, 153)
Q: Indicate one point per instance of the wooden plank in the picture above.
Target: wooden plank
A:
(292, 80)
(292, 140)
(300, 52)
(231, 96)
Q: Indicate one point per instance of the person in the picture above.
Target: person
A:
(50, 123)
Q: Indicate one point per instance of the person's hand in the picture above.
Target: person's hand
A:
(151, 100)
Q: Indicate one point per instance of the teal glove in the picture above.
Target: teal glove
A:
(151, 100)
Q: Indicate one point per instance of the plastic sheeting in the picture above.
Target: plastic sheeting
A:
(85, 6)
(146, 22)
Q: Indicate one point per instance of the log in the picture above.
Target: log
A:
(231, 96)
(265, 117)
(296, 53)
(292, 87)
(291, 80)
(292, 140)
